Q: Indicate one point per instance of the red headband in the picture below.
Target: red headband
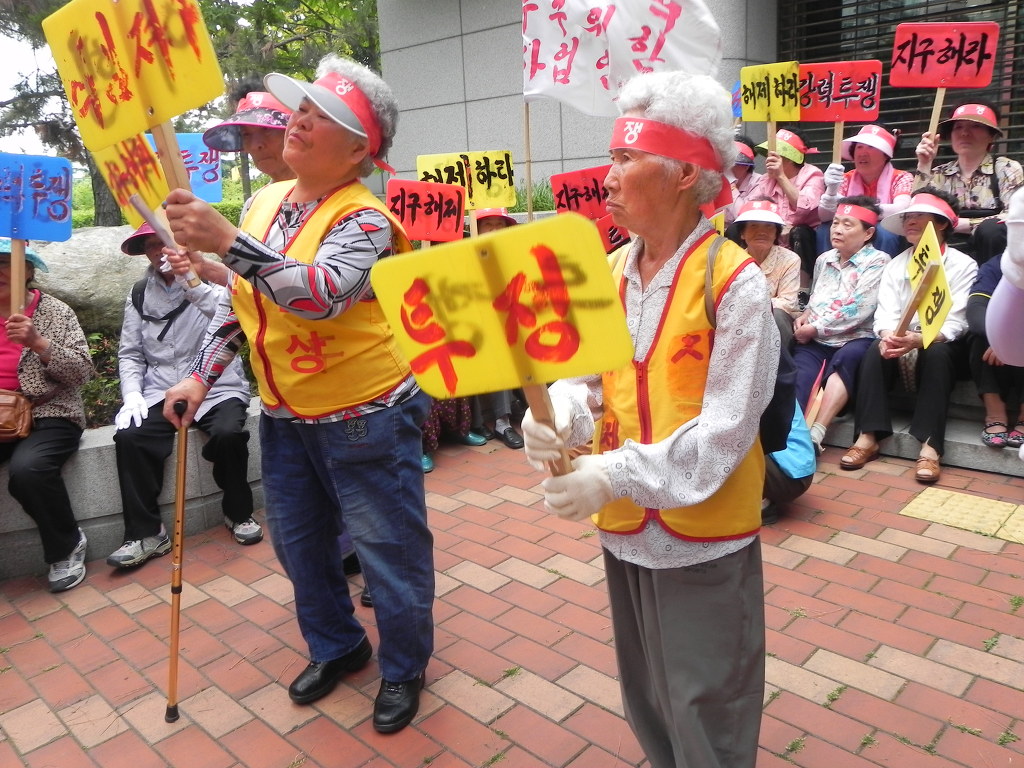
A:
(668, 141)
(356, 101)
(744, 150)
(866, 215)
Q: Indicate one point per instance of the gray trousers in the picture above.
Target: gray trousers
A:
(690, 646)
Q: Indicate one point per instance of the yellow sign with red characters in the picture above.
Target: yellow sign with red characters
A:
(770, 92)
(937, 299)
(487, 176)
(128, 65)
(524, 305)
(131, 167)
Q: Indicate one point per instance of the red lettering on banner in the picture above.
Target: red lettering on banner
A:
(418, 321)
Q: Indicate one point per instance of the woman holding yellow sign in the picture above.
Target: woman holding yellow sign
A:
(340, 428)
(933, 369)
(676, 478)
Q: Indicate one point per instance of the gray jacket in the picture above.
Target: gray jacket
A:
(152, 366)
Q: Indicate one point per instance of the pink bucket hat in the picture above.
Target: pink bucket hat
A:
(257, 108)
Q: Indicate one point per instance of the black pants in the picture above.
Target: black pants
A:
(36, 482)
(141, 453)
(938, 368)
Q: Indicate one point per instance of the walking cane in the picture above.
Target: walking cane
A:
(171, 715)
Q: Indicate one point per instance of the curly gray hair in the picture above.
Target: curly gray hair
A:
(694, 103)
(379, 94)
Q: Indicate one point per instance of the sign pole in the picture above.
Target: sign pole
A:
(915, 299)
(933, 124)
(17, 276)
(837, 143)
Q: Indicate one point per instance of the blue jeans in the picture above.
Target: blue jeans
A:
(363, 474)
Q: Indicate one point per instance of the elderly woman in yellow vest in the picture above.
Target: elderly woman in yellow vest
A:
(675, 481)
(340, 429)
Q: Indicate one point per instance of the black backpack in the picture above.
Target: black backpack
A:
(778, 416)
(138, 291)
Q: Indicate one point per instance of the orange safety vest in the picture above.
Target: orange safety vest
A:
(317, 367)
(647, 400)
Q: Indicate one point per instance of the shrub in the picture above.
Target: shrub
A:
(102, 394)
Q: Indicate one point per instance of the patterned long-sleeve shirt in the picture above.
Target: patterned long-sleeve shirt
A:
(844, 296)
(976, 192)
(338, 277)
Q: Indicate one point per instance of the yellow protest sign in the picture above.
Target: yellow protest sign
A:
(487, 176)
(128, 65)
(924, 268)
(130, 167)
(770, 92)
(522, 306)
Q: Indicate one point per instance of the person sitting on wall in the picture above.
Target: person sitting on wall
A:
(165, 320)
(981, 184)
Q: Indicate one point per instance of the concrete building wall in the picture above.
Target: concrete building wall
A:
(456, 68)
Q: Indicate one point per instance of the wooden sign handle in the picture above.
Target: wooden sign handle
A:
(17, 276)
(170, 156)
(771, 135)
(915, 299)
(540, 406)
(933, 124)
(837, 143)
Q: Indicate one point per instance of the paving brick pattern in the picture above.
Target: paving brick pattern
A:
(893, 641)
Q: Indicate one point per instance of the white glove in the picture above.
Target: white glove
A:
(134, 411)
(542, 443)
(828, 202)
(833, 178)
(582, 492)
(1013, 256)
(181, 279)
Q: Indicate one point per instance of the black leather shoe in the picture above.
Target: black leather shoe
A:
(396, 704)
(320, 677)
(364, 598)
(485, 432)
(511, 438)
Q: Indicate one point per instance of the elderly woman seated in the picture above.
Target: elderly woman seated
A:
(834, 331)
(759, 227)
(44, 355)
(871, 152)
(932, 370)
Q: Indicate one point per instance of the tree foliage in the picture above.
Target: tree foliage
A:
(251, 38)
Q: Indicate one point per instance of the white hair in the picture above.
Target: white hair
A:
(695, 103)
(377, 92)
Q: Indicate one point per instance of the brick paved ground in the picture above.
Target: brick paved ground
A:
(893, 641)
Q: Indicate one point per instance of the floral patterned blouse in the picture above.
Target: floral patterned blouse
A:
(844, 296)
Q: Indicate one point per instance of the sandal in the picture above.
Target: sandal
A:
(928, 470)
(857, 457)
(1015, 437)
(997, 439)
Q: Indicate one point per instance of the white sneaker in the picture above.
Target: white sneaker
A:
(65, 574)
(246, 532)
(138, 551)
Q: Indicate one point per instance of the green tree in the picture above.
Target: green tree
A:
(251, 38)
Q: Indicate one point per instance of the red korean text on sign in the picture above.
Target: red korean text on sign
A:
(428, 211)
(419, 323)
(136, 168)
(840, 90)
(956, 55)
(552, 292)
(581, 191)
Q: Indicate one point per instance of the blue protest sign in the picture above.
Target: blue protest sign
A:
(202, 164)
(35, 197)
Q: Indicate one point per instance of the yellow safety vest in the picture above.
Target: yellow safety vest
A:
(647, 401)
(317, 367)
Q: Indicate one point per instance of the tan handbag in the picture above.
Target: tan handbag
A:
(15, 416)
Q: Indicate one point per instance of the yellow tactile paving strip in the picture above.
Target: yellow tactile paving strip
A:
(999, 519)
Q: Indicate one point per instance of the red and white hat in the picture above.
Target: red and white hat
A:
(496, 213)
(760, 210)
(873, 136)
(921, 203)
(744, 154)
(337, 97)
(975, 113)
(256, 108)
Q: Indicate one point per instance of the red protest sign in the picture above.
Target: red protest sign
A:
(957, 55)
(581, 192)
(428, 210)
(840, 90)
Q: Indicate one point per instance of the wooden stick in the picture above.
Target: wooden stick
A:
(158, 222)
(813, 407)
(933, 124)
(171, 714)
(814, 388)
(170, 156)
(915, 299)
(529, 166)
(837, 143)
(771, 136)
(540, 406)
(17, 276)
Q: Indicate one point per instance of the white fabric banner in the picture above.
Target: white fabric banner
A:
(580, 52)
